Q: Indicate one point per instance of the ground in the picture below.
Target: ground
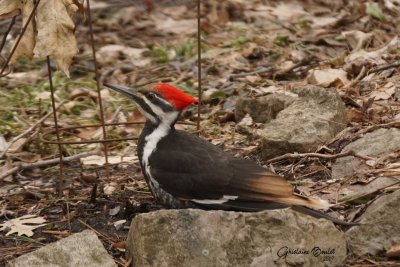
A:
(250, 48)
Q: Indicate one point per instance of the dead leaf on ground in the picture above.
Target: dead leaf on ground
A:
(23, 225)
(385, 92)
(375, 57)
(27, 43)
(328, 77)
(169, 25)
(357, 39)
(394, 250)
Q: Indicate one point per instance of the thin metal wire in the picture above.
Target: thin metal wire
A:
(105, 147)
(199, 89)
(71, 128)
(53, 104)
(19, 38)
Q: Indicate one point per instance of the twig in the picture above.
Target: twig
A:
(361, 75)
(318, 155)
(385, 67)
(244, 74)
(36, 124)
(42, 163)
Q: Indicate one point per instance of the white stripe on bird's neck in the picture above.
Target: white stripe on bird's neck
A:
(166, 122)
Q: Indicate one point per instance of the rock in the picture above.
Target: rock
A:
(222, 238)
(380, 225)
(372, 144)
(262, 109)
(314, 118)
(81, 249)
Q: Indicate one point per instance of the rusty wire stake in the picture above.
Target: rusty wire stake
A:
(53, 104)
(19, 38)
(105, 146)
(199, 89)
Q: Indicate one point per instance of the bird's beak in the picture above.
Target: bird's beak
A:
(122, 89)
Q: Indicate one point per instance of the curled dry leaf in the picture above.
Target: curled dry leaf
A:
(55, 29)
(384, 93)
(56, 32)
(10, 8)
(27, 43)
(328, 77)
(394, 251)
(357, 39)
(23, 225)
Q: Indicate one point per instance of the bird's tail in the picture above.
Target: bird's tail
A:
(319, 214)
(297, 200)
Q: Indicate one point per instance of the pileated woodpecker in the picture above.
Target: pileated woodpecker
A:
(184, 171)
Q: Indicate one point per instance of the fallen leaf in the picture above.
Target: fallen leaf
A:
(180, 27)
(385, 92)
(110, 188)
(111, 53)
(27, 43)
(394, 250)
(374, 11)
(6, 167)
(17, 145)
(23, 225)
(392, 5)
(55, 35)
(10, 8)
(376, 56)
(3, 143)
(114, 211)
(119, 224)
(357, 39)
(121, 245)
(328, 77)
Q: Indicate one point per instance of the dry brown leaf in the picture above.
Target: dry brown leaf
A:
(328, 77)
(377, 56)
(55, 36)
(23, 225)
(27, 43)
(394, 251)
(10, 8)
(180, 27)
(357, 39)
(384, 93)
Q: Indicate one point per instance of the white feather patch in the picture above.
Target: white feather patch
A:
(222, 200)
(152, 139)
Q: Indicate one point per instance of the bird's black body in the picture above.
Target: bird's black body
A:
(187, 167)
(186, 171)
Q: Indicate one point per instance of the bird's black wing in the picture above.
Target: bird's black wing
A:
(189, 167)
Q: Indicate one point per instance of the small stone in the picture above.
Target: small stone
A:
(379, 226)
(311, 120)
(381, 141)
(81, 249)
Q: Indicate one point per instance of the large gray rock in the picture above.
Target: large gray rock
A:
(380, 225)
(221, 238)
(82, 249)
(315, 117)
(262, 109)
(371, 144)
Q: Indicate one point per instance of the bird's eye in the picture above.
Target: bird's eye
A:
(150, 96)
